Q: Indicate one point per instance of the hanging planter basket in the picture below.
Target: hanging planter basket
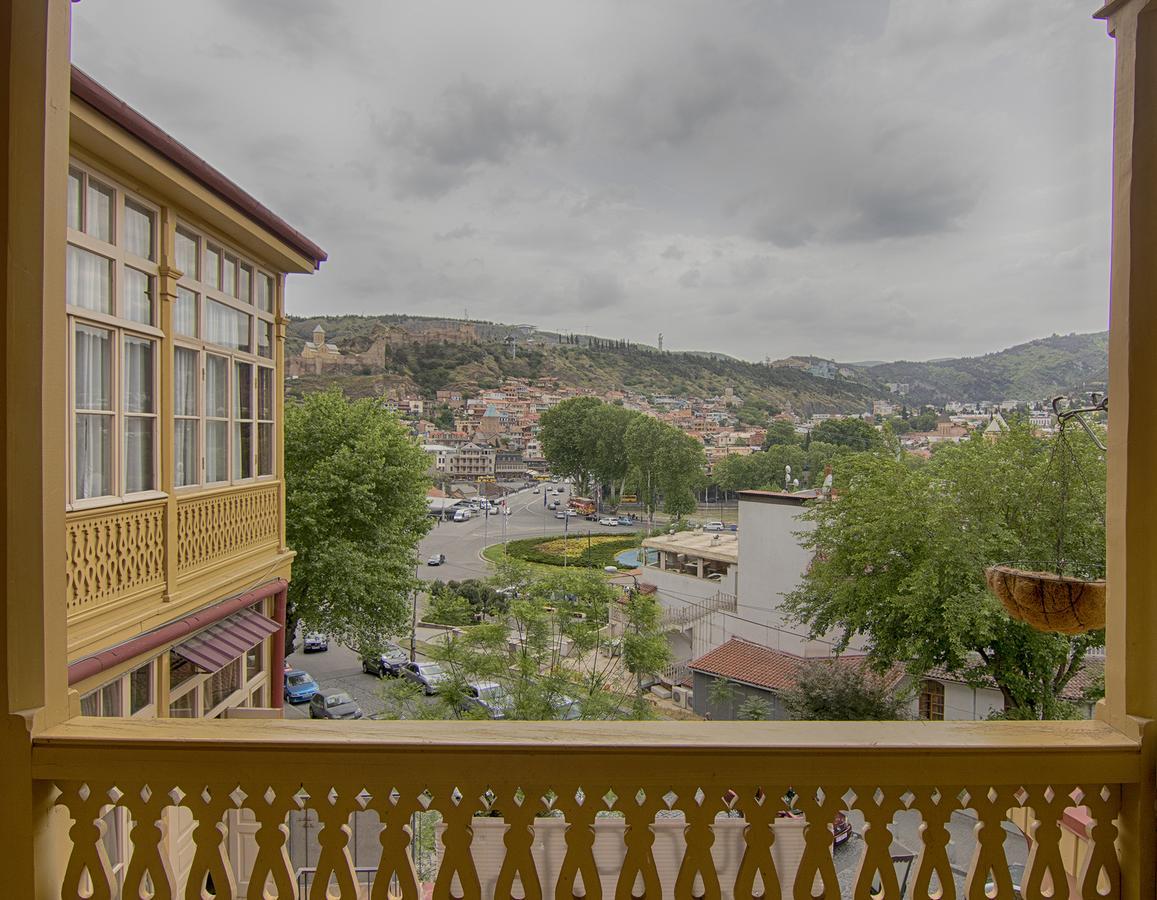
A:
(1048, 601)
(1060, 600)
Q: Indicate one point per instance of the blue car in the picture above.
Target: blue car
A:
(299, 686)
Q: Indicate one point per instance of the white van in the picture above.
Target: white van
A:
(462, 515)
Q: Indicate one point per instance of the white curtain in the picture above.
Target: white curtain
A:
(138, 231)
(89, 280)
(138, 296)
(92, 379)
(140, 443)
(184, 382)
(185, 313)
(187, 254)
(216, 451)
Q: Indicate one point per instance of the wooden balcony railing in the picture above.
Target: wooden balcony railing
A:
(222, 777)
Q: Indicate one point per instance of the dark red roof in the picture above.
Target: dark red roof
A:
(763, 667)
(116, 110)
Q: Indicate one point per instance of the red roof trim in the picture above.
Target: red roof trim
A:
(116, 110)
(168, 634)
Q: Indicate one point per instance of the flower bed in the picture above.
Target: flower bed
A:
(595, 552)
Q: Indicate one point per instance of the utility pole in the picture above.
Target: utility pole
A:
(414, 620)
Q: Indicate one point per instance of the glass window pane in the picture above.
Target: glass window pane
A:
(185, 452)
(140, 454)
(92, 368)
(225, 326)
(138, 376)
(185, 313)
(264, 393)
(216, 386)
(216, 451)
(138, 230)
(222, 683)
(229, 275)
(185, 706)
(180, 670)
(99, 208)
(75, 199)
(264, 293)
(137, 297)
(90, 704)
(110, 699)
(185, 371)
(140, 688)
(265, 448)
(88, 280)
(243, 391)
(212, 267)
(243, 450)
(186, 247)
(265, 339)
(93, 452)
(254, 661)
(244, 281)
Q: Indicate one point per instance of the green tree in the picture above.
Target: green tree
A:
(781, 432)
(855, 434)
(355, 511)
(827, 690)
(900, 558)
(444, 418)
(607, 427)
(645, 648)
(568, 440)
(754, 709)
(446, 607)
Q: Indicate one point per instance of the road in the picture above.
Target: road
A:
(461, 542)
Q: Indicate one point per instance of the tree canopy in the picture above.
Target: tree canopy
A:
(828, 690)
(355, 511)
(856, 434)
(900, 559)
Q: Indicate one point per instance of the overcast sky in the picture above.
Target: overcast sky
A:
(858, 179)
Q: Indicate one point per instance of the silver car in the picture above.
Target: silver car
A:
(333, 704)
(427, 674)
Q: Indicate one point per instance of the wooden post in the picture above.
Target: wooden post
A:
(35, 86)
(1130, 703)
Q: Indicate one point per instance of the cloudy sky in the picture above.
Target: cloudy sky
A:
(859, 179)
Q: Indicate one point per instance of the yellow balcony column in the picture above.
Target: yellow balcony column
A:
(280, 323)
(167, 277)
(1131, 664)
(34, 87)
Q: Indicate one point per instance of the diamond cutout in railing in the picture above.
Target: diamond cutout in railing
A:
(878, 796)
(610, 798)
(992, 794)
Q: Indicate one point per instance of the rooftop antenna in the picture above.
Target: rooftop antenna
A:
(660, 342)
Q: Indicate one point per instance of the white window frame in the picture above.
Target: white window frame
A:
(226, 295)
(120, 326)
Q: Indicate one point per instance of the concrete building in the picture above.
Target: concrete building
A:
(470, 462)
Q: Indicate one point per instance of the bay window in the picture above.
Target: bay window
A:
(110, 293)
(223, 333)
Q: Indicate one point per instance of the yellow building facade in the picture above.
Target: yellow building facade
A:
(176, 562)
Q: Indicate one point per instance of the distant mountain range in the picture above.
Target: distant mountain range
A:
(1060, 364)
(411, 354)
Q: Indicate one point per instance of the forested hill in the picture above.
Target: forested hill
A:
(1054, 365)
(396, 353)
(592, 363)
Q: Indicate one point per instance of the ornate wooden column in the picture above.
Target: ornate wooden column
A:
(1130, 703)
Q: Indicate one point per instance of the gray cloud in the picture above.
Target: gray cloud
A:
(885, 178)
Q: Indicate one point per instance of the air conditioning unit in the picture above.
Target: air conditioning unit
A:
(682, 696)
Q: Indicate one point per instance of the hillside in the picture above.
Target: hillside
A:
(424, 366)
(412, 354)
(1054, 365)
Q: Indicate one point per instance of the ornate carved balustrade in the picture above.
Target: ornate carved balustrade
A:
(214, 526)
(114, 552)
(222, 777)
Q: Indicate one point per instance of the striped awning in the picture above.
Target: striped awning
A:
(220, 644)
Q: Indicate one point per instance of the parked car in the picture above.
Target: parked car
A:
(489, 697)
(299, 686)
(461, 515)
(436, 560)
(389, 662)
(427, 674)
(607, 520)
(333, 703)
(566, 708)
(714, 526)
(842, 828)
(315, 642)
(626, 520)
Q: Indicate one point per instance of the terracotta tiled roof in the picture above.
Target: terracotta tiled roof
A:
(1089, 671)
(774, 670)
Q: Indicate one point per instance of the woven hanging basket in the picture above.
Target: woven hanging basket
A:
(1047, 601)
